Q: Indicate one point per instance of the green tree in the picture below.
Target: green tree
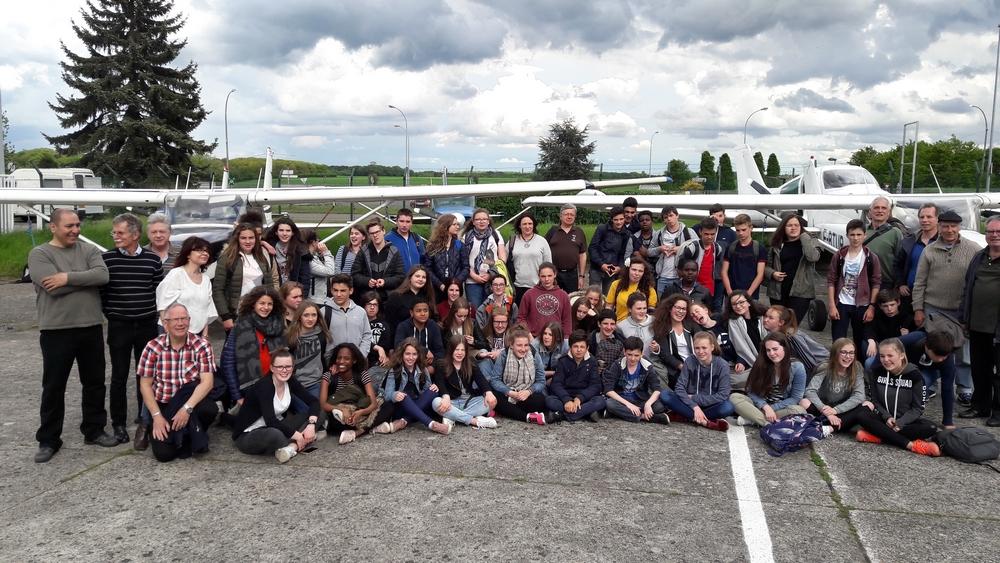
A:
(759, 159)
(8, 147)
(727, 176)
(565, 153)
(773, 168)
(134, 114)
(679, 171)
(706, 170)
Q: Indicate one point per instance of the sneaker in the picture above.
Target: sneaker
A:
(594, 417)
(740, 421)
(677, 417)
(449, 423)
(284, 454)
(660, 418)
(719, 424)
(536, 418)
(965, 399)
(931, 393)
(398, 425)
(384, 428)
(492, 414)
(554, 417)
(338, 414)
(866, 436)
(347, 436)
(827, 430)
(440, 428)
(923, 447)
(486, 422)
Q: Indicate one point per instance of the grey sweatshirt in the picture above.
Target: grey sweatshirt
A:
(78, 303)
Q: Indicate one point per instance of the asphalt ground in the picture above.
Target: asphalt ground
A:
(601, 492)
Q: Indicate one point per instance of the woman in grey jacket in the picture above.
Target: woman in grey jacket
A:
(791, 266)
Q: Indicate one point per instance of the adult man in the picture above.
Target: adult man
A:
(607, 249)
(911, 247)
(410, 245)
(175, 377)
(569, 250)
(158, 232)
(67, 277)
(379, 265)
(630, 206)
(940, 274)
(981, 316)
(347, 321)
(666, 243)
(545, 303)
(129, 303)
(639, 243)
(883, 238)
(725, 235)
(707, 253)
(743, 261)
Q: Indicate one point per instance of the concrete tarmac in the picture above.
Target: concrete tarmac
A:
(601, 492)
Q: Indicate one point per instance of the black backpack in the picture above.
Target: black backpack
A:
(970, 445)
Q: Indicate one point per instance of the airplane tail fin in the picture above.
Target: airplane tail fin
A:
(748, 178)
(268, 168)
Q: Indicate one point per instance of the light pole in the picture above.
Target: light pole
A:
(986, 136)
(406, 130)
(655, 133)
(993, 115)
(225, 121)
(748, 121)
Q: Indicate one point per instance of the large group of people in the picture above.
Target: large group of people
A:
(642, 323)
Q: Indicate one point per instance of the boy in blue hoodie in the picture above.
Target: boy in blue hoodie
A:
(575, 391)
(701, 394)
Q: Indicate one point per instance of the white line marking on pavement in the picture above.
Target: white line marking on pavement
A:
(755, 532)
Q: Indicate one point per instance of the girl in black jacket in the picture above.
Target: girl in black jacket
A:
(466, 395)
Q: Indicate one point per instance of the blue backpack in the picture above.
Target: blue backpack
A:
(791, 433)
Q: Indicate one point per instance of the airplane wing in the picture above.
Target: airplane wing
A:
(704, 201)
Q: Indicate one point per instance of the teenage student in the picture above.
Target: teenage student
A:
(631, 387)
(775, 386)
(575, 391)
(701, 394)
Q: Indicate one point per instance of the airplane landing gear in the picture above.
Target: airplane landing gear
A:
(816, 315)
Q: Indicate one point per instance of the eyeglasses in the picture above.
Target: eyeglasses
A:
(499, 322)
(994, 233)
(372, 304)
(681, 309)
(373, 233)
(847, 352)
(177, 320)
(281, 368)
(740, 303)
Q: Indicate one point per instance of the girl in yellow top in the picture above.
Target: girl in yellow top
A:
(638, 277)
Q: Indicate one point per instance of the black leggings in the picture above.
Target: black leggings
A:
(919, 429)
(520, 410)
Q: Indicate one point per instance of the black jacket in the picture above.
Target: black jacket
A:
(608, 246)
(444, 265)
(453, 385)
(259, 402)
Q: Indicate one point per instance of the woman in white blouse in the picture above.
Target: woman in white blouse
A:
(187, 284)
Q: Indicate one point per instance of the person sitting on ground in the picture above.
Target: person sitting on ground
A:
(348, 394)
(687, 284)
(575, 392)
(606, 343)
(409, 390)
(545, 303)
(744, 320)
(518, 377)
(837, 389)
(893, 413)
(550, 346)
(638, 277)
(498, 299)
(311, 345)
(632, 389)
(805, 349)
(259, 332)
(426, 332)
(671, 343)
(291, 294)
(775, 386)
(175, 378)
(466, 396)
(638, 323)
(891, 321)
(701, 315)
(268, 423)
(700, 397)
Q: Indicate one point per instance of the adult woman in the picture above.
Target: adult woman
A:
(744, 320)
(323, 266)
(775, 385)
(258, 333)
(804, 348)
(348, 394)
(636, 278)
(466, 396)
(838, 388)
(853, 282)
(482, 247)
(701, 393)
(584, 318)
(291, 294)
(671, 343)
(344, 259)
(417, 282)
(186, 284)
(893, 413)
(526, 251)
(291, 255)
(310, 342)
(453, 290)
(444, 252)
(498, 298)
(519, 378)
(409, 389)
(268, 423)
(242, 265)
(550, 346)
(791, 266)
(459, 324)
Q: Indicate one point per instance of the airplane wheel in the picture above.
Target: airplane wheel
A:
(816, 315)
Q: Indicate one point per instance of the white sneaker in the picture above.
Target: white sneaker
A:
(384, 428)
(348, 436)
(486, 422)
(284, 454)
(827, 430)
(449, 423)
(440, 428)
(336, 413)
(740, 421)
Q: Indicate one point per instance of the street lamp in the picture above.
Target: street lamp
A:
(985, 138)
(225, 120)
(406, 130)
(655, 133)
(748, 121)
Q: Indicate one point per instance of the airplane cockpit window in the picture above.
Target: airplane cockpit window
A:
(792, 187)
(840, 178)
(907, 210)
(222, 210)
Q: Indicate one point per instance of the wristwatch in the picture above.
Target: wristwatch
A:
(188, 408)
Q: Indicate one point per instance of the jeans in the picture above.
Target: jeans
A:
(619, 410)
(594, 404)
(463, 409)
(854, 317)
(126, 340)
(476, 294)
(718, 296)
(416, 410)
(712, 412)
(946, 372)
(60, 348)
(661, 286)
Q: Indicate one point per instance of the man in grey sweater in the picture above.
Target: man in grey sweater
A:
(67, 277)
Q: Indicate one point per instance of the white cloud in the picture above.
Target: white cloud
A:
(309, 141)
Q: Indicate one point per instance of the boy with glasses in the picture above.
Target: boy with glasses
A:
(378, 265)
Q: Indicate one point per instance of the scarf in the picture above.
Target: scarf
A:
(248, 367)
(484, 247)
(518, 374)
(740, 338)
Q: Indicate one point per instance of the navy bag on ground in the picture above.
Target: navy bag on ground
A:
(970, 445)
(791, 433)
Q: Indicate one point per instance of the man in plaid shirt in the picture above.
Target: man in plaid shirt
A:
(175, 375)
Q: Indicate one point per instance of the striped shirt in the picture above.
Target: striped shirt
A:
(132, 280)
(171, 369)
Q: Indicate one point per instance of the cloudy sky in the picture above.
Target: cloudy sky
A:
(480, 81)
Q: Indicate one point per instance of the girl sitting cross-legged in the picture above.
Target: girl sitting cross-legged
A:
(774, 387)
(466, 395)
(409, 390)
(701, 394)
(518, 378)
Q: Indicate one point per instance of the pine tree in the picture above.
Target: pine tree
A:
(727, 176)
(759, 159)
(8, 147)
(773, 168)
(706, 170)
(134, 114)
(565, 153)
